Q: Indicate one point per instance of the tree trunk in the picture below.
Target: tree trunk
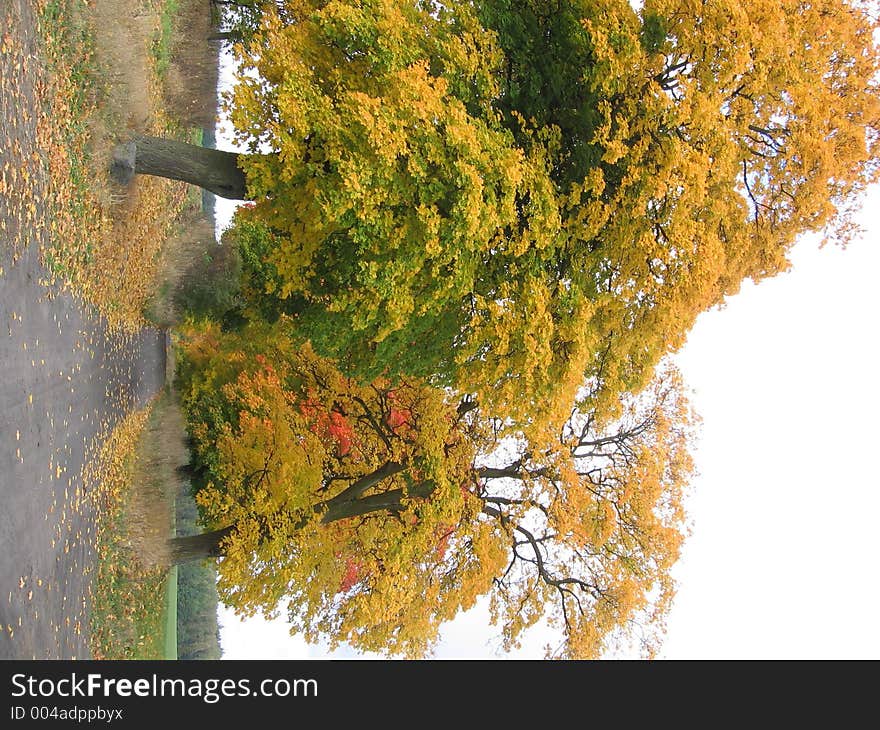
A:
(198, 547)
(225, 35)
(210, 544)
(211, 169)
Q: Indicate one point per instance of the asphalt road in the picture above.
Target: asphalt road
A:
(65, 381)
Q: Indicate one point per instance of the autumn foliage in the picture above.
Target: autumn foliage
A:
(370, 512)
(476, 230)
(284, 437)
(511, 197)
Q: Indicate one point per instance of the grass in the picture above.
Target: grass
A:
(134, 615)
(190, 81)
(63, 133)
(170, 615)
(127, 618)
(161, 46)
(170, 612)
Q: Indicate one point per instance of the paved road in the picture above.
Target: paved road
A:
(64, 382)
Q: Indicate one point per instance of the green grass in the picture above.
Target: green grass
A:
(170, 615)
(161, 46)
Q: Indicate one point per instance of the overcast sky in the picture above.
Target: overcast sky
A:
(784, 558)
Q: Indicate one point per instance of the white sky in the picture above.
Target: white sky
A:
(784, 559)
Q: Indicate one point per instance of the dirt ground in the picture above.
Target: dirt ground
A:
(65, 380)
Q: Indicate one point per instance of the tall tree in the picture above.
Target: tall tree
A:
(240, 18)
(509, 196)
(373, 514)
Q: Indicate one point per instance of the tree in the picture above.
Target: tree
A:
(242, 17)
(374, 513)
(512, 196)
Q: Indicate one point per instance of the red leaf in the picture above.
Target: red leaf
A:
(398, 417)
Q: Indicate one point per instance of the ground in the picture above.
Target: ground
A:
(67, 380)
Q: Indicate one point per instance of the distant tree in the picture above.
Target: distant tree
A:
(198, 631)
(240, 18)
(510, 196)
(374, 513)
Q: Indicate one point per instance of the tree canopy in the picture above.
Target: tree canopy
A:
(475, 229)
(509, 198)
(374, 513)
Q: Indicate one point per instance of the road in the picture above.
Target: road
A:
(65, 381)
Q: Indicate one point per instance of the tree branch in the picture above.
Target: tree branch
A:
(357, 488)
